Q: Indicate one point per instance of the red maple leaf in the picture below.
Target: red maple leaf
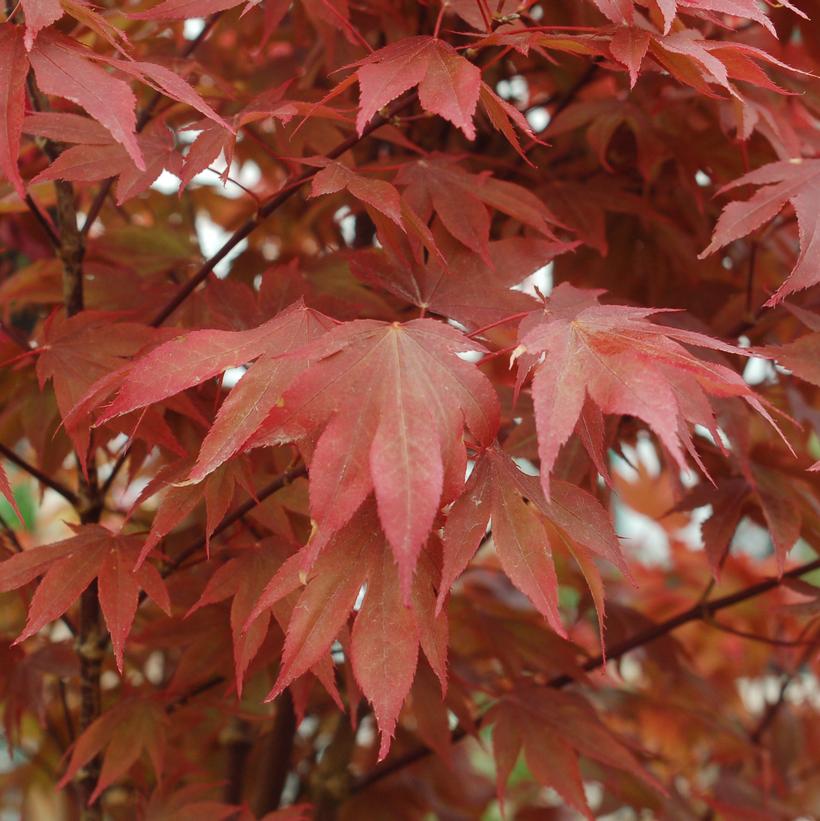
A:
(386, 404)
(449, 85)
(590, 359)
(796, 181)
(70, 565)
(526, 529)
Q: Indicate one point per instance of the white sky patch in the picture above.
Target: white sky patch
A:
(515, 89)
(757, 693)
(469, 469)
(526, 466)
(247, 175)
(704, 432)
(691, 535)
(751, 539)
(625, 467)
(538, 118)
(366, 734)
(758, 370)
(193, 27)
(188, 135)
(648, 541)
(167, 183)
(232, 376)
(154, 667)
(346, 221)
(540, 280)
(647, 454)
(211, 238)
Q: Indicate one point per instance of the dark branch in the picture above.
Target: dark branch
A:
(56, 486)
(183, 699)
(276, 757)
(774, 708)
(14, 545)
(43, 220)
(773, 642)
(237, 740)
(88, 502)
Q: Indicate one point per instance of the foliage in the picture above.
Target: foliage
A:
(446, 445)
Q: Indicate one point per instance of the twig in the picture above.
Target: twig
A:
(276, 484)
(45, 222)
(72, 248)
(172, 566)
(15, 547)
(563, 101)
(774, 708)
(41, 477)
(745, 634)
(183, 699)
(118, 465)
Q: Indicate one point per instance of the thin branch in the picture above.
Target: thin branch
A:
(271, 205)
(118, 465)
(41, 477)
(70, 244)
(329, 783)
(15, 546)
(745, 634)
(643, 637)
(694, 613)
(43, 219)
(774, 708)
(276, 484)
(182, 700)
(562, 101)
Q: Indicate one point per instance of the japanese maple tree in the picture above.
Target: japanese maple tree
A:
(410, 409)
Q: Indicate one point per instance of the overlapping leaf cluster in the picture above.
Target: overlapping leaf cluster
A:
(375, 373)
